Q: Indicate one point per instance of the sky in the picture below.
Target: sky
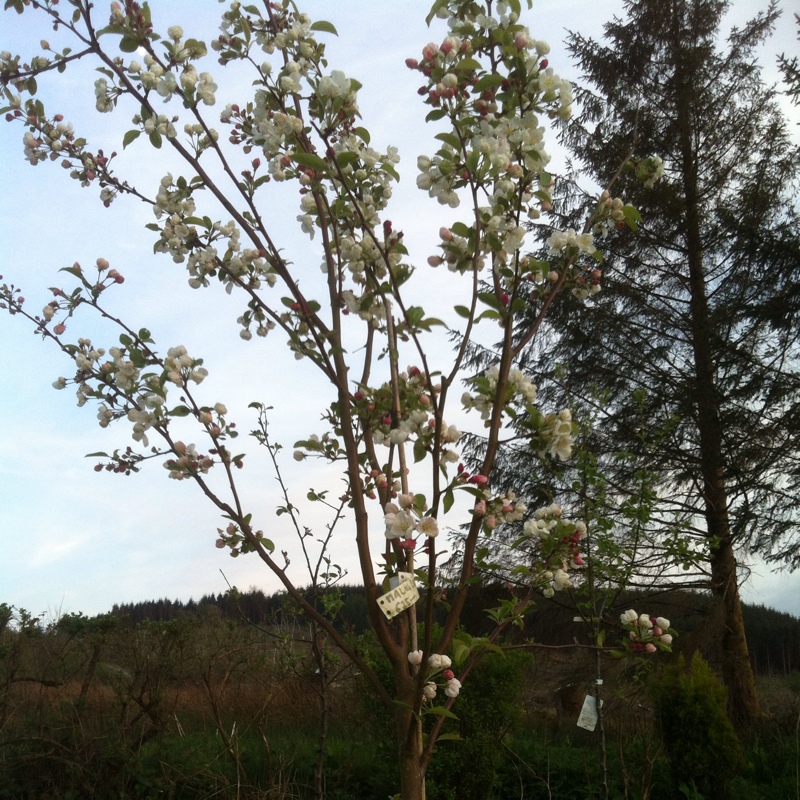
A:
(72, 540)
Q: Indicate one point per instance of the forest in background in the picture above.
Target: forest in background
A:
(773, 637)
(223, 697)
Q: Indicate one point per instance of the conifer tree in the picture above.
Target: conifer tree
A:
(698, 312)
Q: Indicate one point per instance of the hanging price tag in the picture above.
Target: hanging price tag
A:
(588, 716)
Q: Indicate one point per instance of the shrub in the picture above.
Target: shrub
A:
(699, 739)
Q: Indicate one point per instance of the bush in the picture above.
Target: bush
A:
(488, 709)
(699, 739)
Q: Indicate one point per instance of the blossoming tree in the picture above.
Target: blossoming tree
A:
(390, 429)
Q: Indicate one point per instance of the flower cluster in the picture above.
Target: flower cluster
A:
(437, 663)
(233, 538)
(180, 367)
(570, 243)
(646, 634)
(520, 391)
(497, 139)
(498, 510)
(557, 550)
(649, 170)
(188, 463)
(416, 422)
(559, 433)
(409, 518)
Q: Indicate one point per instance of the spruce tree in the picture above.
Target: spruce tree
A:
(698, 310)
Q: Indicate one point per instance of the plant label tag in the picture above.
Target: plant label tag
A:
(396, 580)
(588, 715)
(403, 596)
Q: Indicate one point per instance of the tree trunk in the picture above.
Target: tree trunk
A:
(727, 624)
(732, 655)
(412, 777)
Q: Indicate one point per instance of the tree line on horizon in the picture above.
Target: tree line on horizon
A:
(773, 637)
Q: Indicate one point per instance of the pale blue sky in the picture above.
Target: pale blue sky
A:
(73, 540)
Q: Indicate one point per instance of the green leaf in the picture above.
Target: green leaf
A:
(460, 652)
(449, 138)
(491, 299)
(434, 8)
(129, 44)
(246, 30)
(322, 25)
(462, 311)
(441, 711)
(129, 137)
(155, 140)
(415, 315)
(449, 737)
(311, 161)
(447, 500)
(31, 85)
(632, 217)
(390, 170)
(489, 81)
(197, 48)
(437, 113)
(94, 455)
(75, 272)
(362, 134)
(180, 411)
(125, 340)
(348, 157)
(468, 65)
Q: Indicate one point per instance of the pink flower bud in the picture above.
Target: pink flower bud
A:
(479, 480)
(650, 648)
(59, 329)
(407, 544)
(429, 51)
(412, 63)
(445, 234)
(448, 675)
